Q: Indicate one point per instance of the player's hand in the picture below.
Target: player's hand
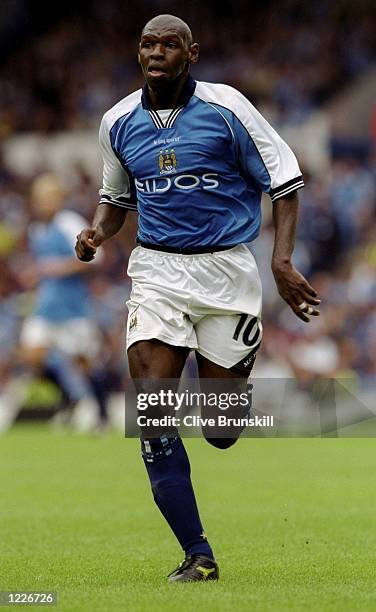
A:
(296, 291)
(87, 243)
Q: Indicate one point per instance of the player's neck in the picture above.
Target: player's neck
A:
(168, 97)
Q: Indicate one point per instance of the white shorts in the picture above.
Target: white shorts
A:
(74, 337)
(210, 302)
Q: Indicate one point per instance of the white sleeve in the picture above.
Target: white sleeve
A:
(117, 188)
(279, 160)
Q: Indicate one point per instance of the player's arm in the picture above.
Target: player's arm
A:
(117, 197)
(108, 220)
(274, 168)
(292, 285)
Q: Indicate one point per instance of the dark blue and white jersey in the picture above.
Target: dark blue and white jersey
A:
(195, 173)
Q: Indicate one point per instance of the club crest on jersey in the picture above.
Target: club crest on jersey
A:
(167, 161)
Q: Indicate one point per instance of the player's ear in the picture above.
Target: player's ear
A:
(193, 53)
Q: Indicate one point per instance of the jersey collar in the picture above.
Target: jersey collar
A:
(185, 95)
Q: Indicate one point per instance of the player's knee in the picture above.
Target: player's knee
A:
(222, 443)
(139, 367)
(153, 360)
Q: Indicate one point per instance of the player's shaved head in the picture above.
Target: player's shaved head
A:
(168, 23)
(165, 53)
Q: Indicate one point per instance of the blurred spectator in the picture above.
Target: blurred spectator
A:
(58, 340)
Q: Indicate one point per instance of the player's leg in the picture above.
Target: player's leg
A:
(225, 311)
(167, 464)
(227, 351)
(41, 353)
(217, 379)
(79, 341)
(158, 310)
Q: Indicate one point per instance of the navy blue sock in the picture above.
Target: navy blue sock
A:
(169, 471)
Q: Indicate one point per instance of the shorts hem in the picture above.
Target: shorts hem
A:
(162, 338)
(217, 360)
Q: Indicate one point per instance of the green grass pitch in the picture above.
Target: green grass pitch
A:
(292, 523)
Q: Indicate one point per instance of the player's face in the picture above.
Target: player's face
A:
(164, 55)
